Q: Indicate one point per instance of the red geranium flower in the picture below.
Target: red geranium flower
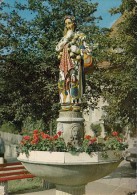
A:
(95, 139)
(55, 137)
(88, 137)
(36, 131)
(45, 136)
(51, 138)
(115, 133)
(119, 139)
(59, 133)
(35, 141)
(92, 140)
(35, 136)
(26, 137)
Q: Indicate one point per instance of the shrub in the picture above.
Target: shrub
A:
(9, 127)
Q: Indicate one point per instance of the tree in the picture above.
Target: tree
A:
(29, 62)
(119, 80)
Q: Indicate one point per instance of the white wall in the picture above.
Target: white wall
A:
(95, 117)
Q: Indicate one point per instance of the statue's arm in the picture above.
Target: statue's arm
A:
(64, 41)
(61, 44)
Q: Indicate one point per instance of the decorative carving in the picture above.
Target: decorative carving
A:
(75, 137)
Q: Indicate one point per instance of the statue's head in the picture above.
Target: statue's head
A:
(72, 18)
(70, 23)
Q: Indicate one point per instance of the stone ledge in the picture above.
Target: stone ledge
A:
(46, 157)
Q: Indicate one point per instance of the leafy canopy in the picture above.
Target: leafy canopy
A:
(29, 62)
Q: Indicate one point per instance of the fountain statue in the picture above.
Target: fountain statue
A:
(74, 54)
(72, 48)
(70, 172)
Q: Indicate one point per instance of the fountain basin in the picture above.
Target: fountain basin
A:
(64, 168)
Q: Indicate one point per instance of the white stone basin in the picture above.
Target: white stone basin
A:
(63, 168)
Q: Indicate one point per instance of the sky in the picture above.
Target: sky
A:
(103, 8)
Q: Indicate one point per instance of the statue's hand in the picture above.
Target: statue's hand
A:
(69, 34)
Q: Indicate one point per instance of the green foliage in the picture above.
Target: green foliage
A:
(119, 85)
(96, 128)
(109, 127)
(8, 127)
(126, 5)
(30, 123)
(114, 144)
(90, 145)
(29, 63)
(25, 185)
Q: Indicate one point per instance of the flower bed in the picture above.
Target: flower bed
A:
(40, 141)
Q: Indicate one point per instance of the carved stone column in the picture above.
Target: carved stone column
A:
(72, 125)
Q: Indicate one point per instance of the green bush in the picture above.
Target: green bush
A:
(30, 124)
(9, 127)
(96, 128)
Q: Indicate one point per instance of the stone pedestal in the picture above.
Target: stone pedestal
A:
(70, 190)
(72, 125)
(47, 185)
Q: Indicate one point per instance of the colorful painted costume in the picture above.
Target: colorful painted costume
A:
(71, 78)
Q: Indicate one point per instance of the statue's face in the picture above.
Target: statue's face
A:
(69, 24)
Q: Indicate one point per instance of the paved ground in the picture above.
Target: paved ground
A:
(120, 182)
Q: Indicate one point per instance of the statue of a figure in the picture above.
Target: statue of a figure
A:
(72, 48)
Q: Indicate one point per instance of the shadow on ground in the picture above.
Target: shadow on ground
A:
(123, 171)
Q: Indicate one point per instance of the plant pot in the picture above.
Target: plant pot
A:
(70, 158)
